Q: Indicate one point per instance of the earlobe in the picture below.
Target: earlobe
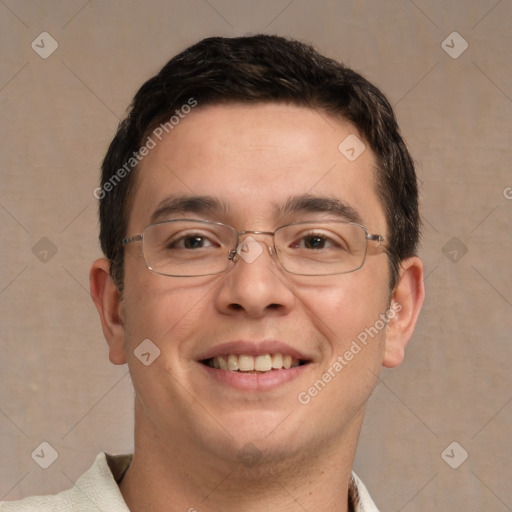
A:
(405, 308)
(107, 299)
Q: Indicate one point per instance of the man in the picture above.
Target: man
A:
(259, 217)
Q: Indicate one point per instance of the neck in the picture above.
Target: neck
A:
(178, 476)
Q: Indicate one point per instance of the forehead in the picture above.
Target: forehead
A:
(255, 159)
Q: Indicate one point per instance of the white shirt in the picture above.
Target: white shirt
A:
(97, 489)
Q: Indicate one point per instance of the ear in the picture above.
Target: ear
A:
(405, 308)
(108, 302)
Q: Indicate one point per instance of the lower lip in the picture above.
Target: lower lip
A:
(255, 381)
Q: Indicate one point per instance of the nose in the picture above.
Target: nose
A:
(255, 286)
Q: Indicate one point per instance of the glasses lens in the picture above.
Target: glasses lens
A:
(321, 248)
(188, 248)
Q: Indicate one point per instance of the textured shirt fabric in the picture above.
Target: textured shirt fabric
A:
(97, 489)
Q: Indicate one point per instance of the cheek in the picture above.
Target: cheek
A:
(349, 317)
(170, 316)
(165, 310)
(346, 310)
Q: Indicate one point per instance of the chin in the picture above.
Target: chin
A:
(257, 437)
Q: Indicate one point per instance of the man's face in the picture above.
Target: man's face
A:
(253, 160)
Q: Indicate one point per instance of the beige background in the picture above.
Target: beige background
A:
(58, 116)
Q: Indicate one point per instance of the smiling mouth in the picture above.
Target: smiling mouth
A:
(253, 364)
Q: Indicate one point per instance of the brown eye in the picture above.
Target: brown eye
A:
(314, 242)
(194, 241)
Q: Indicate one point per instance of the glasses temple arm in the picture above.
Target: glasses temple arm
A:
(135, 238)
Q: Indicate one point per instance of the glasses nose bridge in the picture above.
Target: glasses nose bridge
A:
(250, 232)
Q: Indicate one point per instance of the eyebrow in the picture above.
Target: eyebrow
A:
(201, 205)
(319, 204)
(210, 205)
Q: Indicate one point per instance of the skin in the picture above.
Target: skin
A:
(190, 428)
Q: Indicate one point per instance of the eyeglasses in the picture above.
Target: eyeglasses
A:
(190, 248)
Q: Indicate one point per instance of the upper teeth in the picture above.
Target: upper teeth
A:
(246, 363)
